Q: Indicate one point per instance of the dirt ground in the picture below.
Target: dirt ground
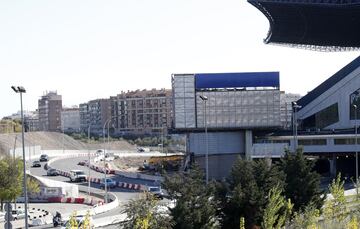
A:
(129, 163)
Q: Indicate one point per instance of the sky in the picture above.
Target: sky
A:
(88, 49)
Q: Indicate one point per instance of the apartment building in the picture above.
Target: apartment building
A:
(94, 114)
(49, 106)
(70, 120)
(144, 111)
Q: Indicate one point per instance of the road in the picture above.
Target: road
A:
(68, 164)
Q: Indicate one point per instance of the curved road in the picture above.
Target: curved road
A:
(68, 164)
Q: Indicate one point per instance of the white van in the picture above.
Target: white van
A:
(77, 175)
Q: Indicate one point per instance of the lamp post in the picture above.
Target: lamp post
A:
(89, 160)
(105, 183)
(21, 89)
(356, 152)
(295, 107)
(205, 99)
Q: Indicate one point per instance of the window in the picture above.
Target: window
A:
(323, 118)
(355, 100)
(309, 142)
(345, 141)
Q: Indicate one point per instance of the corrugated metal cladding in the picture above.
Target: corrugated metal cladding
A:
(242, 109)
(184, 101)
(218, 143)
(234, 80)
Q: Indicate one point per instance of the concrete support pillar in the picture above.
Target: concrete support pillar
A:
(248, 144)
(333, 166)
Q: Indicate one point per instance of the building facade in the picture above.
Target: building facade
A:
(49, 107)
(286, 111)
(234, 105)
(144, 111)
(70, 120)
(94, 114)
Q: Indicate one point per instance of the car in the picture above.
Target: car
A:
(18, 214)
(36, 164)
(44, 157)
(156, 191)
(83, 163)
(77, 175)
(52, 172)
(110, 183)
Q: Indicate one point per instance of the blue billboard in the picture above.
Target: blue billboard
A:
(237, 80)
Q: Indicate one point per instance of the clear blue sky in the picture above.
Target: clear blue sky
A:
(88, 49)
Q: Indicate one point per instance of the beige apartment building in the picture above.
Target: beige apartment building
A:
(143, 111)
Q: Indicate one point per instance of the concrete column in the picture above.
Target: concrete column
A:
(333, 166)
(248, 144)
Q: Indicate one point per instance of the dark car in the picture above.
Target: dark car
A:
(44, 157)
(36, 164)
(52, 172)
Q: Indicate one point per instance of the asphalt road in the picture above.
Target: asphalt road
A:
(68, 164)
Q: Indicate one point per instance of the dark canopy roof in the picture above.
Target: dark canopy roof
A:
(322, 23)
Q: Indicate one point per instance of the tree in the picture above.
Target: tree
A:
(10, 179)
(33, 186)
(86, 224)
(146, 213)
(302, 184)
(73, 223)
(306, 219)
(244, 193)
(278, 210)
(335, 207)
(195, 206)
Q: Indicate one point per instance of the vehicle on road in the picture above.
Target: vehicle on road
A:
(156, 191)
(52, 172)
(110, 183)
(44, 157)
(36, 164)
(18, 214)
(80, 221)
(77, 175)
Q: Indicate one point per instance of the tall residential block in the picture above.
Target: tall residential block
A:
(94, 114)
(49, 106)
(144, 111)
(70, 120)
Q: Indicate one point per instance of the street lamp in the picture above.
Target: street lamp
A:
(105, 183)
(89, 160)
(205, 99)
(356, 152)
(21, 89)
(295, 107)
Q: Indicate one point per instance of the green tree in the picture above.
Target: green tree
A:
(244, 194)
(302, 183)
(335, 207)
(306, 219)
(10, 179)
(195, 206)
(278, 210)
(86, 224)
(72, 221)
(33, 186)
(146, 213)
